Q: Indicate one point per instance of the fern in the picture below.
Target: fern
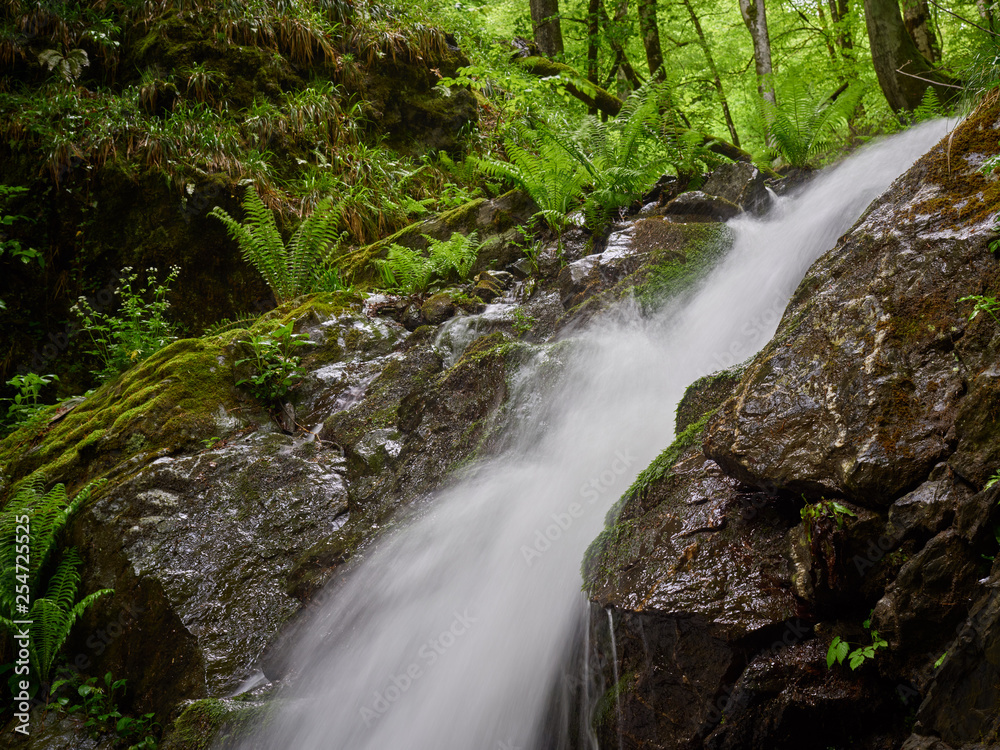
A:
(53, 608)
(613, 162)
(411, 271)
(546, 171)
(801, 127)
(306, 264)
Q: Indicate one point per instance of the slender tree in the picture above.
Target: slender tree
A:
(840, 15)
(986, 13)
(917, 19)
(903, 72)
(713, 68)
(548, 29)
(755, 18)
(649, 27)
(593, 43)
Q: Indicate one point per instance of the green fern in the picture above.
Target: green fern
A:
(801, 127)
(410, 271)
(52, 595)
(546, 171)
(613, 163)
(306, 264)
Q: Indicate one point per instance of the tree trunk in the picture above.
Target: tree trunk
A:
(593, 43)
(827, 40)
(548, 30)
(917, 19)
(715, 72)
(611, 32)
(986, 13)
(755, 17)
(903, 73)
(650, 29)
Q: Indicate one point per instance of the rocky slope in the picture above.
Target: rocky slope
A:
(842, 472)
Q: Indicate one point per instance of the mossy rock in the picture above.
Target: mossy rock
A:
(704, 395)
(170, 402)
(219, 723)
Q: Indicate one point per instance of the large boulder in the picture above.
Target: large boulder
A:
(831, 487)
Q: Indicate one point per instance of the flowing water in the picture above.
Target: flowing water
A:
(453, 633)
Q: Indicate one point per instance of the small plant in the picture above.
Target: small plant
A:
(12, 247)
(99, 703)
(523, 322)
(138, 329)
(211, 442)
(989, 305)
(412, 271)
(38, 579)
(810, 514)
(24, 406)
(801, 127)
(841, 649)
(276, 367)
(69, 64)
(306, 264)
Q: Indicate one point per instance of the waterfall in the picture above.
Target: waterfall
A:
(451, 634)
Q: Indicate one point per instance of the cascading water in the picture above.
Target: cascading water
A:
(453, 632)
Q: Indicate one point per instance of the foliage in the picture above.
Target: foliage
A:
(305, 265)
(523, 322)
(410, 271)
(802, 126)
(24, 406)
(546, 170)
(99, 704)
(840, 649)
(11, 246)
(138, 329)
(275, 366)
(989, 305)
(39, 579)
(625, 156)
(69, 64)
(824, 509)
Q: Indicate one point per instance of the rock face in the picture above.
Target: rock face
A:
(840, 473)
(214, 524)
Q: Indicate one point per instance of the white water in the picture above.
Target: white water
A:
(451, 635)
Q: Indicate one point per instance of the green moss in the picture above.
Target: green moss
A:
(357, 265)
(213, 722)
(166, 403)
(706, 394)
(660, 468)
(603, 553)
(681, 255)
(607, 705)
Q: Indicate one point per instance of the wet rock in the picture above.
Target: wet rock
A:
(55, 730)
(740, 183)
(704, 395)
(930, 508)
(492, 284)
(646, 258)
(962, 705)
(786, 698)
(437, 308)
(692, 568)
(860, 392)
(696, 205)
(576, 277)
(198, 547)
